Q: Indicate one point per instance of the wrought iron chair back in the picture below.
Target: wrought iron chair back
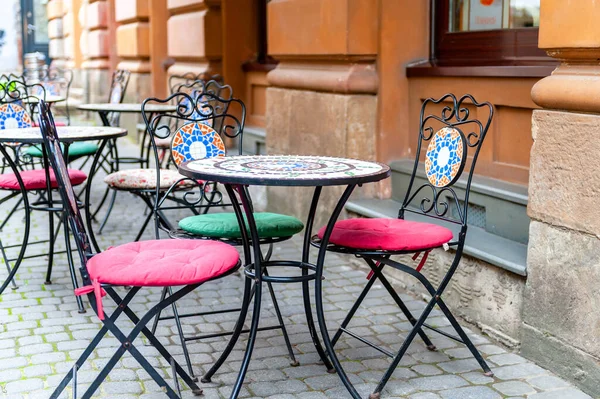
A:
(204, 107)
(177, 82)
(18, 107)
(67, 193)
(118, 86)
(452, 139)
(19, 102)
(57, 82)
(193, 136)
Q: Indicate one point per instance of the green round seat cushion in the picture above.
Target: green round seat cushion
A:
(77, 149)
(225, 225)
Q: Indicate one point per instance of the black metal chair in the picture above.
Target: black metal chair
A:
(57, 82)
(176, 82)
(17, 108)
(463, 124)
(110, 158)
(143, 264)
(196, 132)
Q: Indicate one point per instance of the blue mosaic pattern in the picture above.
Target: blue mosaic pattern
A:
(14, 116)
(444, 159)
(196, 141)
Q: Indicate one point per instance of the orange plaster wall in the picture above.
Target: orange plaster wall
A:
(97, 15)
(404, 38)
(131, 10)
(322, 27)
(573, 25)
(133, 40)
(195, 35)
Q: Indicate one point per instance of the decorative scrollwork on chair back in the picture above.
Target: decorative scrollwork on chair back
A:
(452, 138)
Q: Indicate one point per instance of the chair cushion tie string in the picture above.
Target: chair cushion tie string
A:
(423, 259)
(98, 291)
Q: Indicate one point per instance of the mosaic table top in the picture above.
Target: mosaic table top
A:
(65, 134)
(285, 170)
(126, 107)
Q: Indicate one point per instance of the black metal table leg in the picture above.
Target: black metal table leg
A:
(319, 292)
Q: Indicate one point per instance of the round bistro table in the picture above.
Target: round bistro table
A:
(33, 135)
(103, 109)
(237, 172)
(50, 99)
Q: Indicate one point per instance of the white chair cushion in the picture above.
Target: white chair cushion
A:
(145, 179)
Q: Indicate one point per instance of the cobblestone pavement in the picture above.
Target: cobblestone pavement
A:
(41, 334)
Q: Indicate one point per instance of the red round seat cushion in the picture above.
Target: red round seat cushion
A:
(387, 234)
(36, 179)
(163, 263)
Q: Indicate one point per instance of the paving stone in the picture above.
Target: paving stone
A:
(477, 378)
(478, 392)
(438, 382)
(425, 395)
(518, 371)
(10, 375)
(569, 393)
(459, 366)
(513, 388)
(39, 370)
(122, 387)
(548, 382)
(426, 369)
(31, 384)
(506, 359)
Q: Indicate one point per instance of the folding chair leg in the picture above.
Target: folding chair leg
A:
(13, 210)
(111, 204)
(156, 343)
(410, 337)
(127, 345)
(353, 310)
(94, 343)
(7, 263)
(50, 247)
(72, 268)
(94, 213)
(385, 282)
(237, 330)
(466, 340)
(141, 232)
(157, 318)
(186, 353)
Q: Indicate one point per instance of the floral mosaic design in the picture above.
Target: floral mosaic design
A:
(196, 141)
(13, 116)
(444, 159)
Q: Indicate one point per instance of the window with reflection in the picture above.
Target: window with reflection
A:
(487, 32)
(476, 15)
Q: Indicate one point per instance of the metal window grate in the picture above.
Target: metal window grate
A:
(475, 213)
